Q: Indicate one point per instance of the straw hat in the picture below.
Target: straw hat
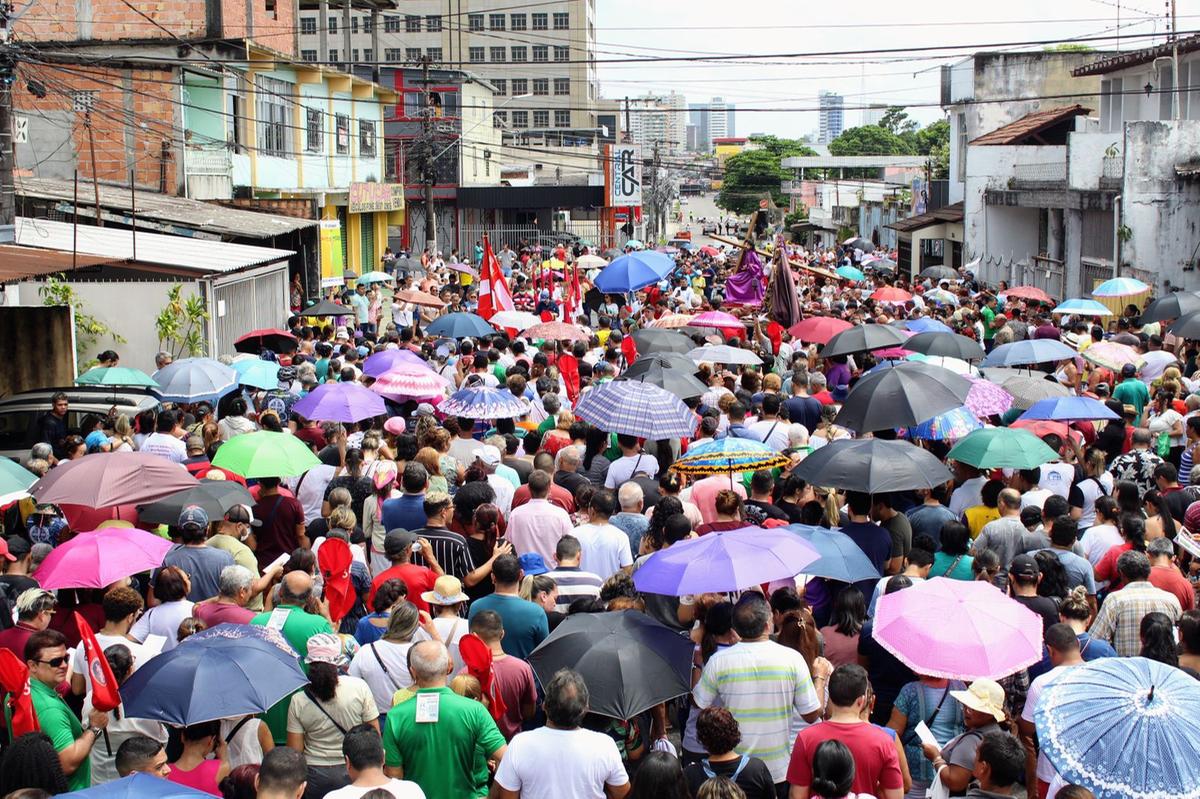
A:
(984, 696)
(447, 590)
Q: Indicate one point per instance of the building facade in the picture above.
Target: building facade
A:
(659, 120)
(831, 116)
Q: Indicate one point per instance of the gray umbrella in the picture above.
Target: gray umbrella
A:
(949, 345)
(670, 360)
(658, 340)
(939, 273)
(863, 338)
(1028, 389)
(682, 384)
(215, 496)
(1172, 306)
(905, 395)
(873, 465)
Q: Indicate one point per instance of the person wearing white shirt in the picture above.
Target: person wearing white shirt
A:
(605, 548)
(970, 484)
(162, 441)
(631, 462)
(1063, 646)
(770, 429)
(383, 664)
(363, 750)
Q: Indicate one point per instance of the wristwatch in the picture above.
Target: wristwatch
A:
(96, 732)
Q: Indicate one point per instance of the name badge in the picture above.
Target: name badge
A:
(427, 708)
(278, 618)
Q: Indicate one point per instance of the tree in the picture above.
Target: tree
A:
(1070, 47)
(783, 148)
(896, 120)
(934, 140)
(870, 140)
(88, 328)
(180, 324)
(750, 176)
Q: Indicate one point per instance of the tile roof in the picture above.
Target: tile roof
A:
(1030, 125)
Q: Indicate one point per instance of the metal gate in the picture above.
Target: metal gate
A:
(242, 304)
(588, 230)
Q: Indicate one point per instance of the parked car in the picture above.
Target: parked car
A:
(681, 244)
(710, 229)
(19, 413)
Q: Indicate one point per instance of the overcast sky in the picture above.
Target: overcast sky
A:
(788, 89)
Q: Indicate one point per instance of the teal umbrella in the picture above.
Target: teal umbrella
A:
(15, 480)
(115, 376)
(1002, 447)
(375, 277)
(257, 373)
(850, 273)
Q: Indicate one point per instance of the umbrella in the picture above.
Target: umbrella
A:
(482, 402)
(215, 496)
(890, 294)
(1111, 355)
(818, 329)
(716, 319)
(636, 409)
(555, 331)
(1172, 306)
(993, 636)
(859, 243)
(375, 365)
(517, 320)
(950, 345)
(1126, 728)
(375, 277)
(1186, 326)
(1002, 448)
(879, 265)
(655, 340)
(1027, 390)
(410, 382)
(138, 785)
(340, 402)
(851, 274)
(465, 269)
(460, 325)
(1029, 293)
(419, 298)
(863, 338)
(257, 373)
(926, 325)
(1119, 287)
(728, 455)
(948, 426)
(987, 399)
(591, 262)
(672, 321)
(634, 271)
(682, 384)
(1082, 308)
(838, 557)
(229, 671)
(1042, 427)
(105, 479)
(265, 339)
(667, 250)
(1038, 350)
(901, 397)
(196, 380)
(265, 454)
(939, 272)
(669, 360)
(710, 251)
(629, 661)
(15, 480)
(406, 266)
(611, 253)
(635, 244)
(115, 376)
(723, 353)
(956, 365)
(101, 558)
(327, 308)
(872, 465)
(940, 297)
(725, 561)
(1069, 409)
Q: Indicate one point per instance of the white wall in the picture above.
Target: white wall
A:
(1085, 158)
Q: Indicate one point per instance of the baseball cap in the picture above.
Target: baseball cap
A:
(242, 514)
(18, 547)
(341, 335)
(533, 564)
(984, 696)
(195, 443)
(192, 516)
(488, 454)
(1128, 370)
(424, 409)
(1024, 566)
(4, 553)
(396, 541)
(447, 590)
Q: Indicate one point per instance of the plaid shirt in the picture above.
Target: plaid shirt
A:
(1120, 617)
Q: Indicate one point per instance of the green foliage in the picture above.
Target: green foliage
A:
(750, 176)
(870, 140)
(795, 217)
(88, 329)
(896, 121)
(934, 141)
(1069, 47)
(783, 148)
(180, 324)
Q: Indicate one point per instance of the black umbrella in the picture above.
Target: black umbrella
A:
(949, 345)
(1187, 326)
(629, 661)
(671, 360)
(939, 272)
(408, 266)
(863, 338)
(880, 265)
(327, 308)
(215, 496)
(859, 243)
(873, 465)
(1172, 306)
(905, 395)
(611, 253)
(658, 340)
(682, 384)
(593, 299)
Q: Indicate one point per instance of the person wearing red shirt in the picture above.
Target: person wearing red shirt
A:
(398, 547)
(35, 608)
(1165, 574)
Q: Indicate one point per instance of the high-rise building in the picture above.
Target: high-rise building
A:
(873, 114)
(659, 119)
(699, 118)
(712, 120)
(831, 121)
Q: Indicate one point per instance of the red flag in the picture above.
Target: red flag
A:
(568, 367)
(494, 295)
(629, 349)
(14, 681)
(105, 693)
(334, 560)
(478, 659)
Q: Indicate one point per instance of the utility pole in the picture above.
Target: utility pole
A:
(8, 154)
(1176, 96)
(429, 170)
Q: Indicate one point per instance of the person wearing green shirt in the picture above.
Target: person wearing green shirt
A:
(47, 659)
(1131, 391)
(988, 314)
(438, 739)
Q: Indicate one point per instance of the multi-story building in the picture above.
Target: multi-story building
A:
(873, 113)
(830, 115)
(714, 120)
(720, 116)
(659, 120)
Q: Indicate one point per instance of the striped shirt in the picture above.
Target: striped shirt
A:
(767, 688)
(450, 549)
(573, 583)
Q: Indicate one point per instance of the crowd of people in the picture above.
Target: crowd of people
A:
(473, 540)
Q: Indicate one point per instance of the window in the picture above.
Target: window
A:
(520, 86)
(433, 23)
(562, 53)
(366, 138)
(354, 24)
(562, 21)
(475, 22)
(541, 22)
(541, 119)
(520, 119)
(369, 55)
(1111, 104)
(499, 55)
(354, 55)
(496, 21)
(333, 57)
(313, 130)
(342, 140)
(519, 55)
(391, 24)
(541, 54)
(562, 118)
(962, 147)
(308, 26)
(412, 104)
(367, 26)
(475, 54)
(499, 119)
(562, 86)
(435, 54)
(541, 86)
(518, 21)
(392, 55)
(308, 55)
(412, 54)
(333, 24)
(272, 100)
(501, 85)
(412, 23)
(1166, 91)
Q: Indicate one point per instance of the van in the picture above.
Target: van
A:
(20, 413)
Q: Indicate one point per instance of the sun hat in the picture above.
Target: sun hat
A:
(447, 590)
(983, 696)
(395, 425)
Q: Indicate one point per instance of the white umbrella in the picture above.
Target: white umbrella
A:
(723, 353)
(591, 262)
(956, 365)
(517, 320)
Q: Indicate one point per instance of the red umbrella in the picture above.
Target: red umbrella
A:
(266, 339)
(818, 329)
(710, 251)
(890, 294)
(1029, 293)
(104, 479)
(1043, 427)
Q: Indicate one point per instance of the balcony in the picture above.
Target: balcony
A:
(1112, 172)
(1039, 175)
(209, 173)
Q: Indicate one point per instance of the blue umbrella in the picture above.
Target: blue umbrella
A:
(230, 670)
(850, 273)
(1069, 409)
(1125, 728)
(637, 409)
(139, 785)
(1082, 307)
(839, 558)
(257, 373)
(634, 271)
(949, 426)
(195, 380)
(926, 325)
(1038, 350)
(1119, 287)
(481, 402)
(459, 325)
(727, 561)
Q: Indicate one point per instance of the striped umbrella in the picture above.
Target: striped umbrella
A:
(1111, 355)
(987, 399)
(195, 380)
(949, 426)
(410, 383)
(637, 409)
(729, 455)
(481, 402)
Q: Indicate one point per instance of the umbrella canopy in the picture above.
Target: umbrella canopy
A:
(709, 250)
(1002, 448)
(635, 244)
(215, 496)
(948, 426)
(1038, 350)
(655, 340)
(890, 294)
(850, 273)
(419, 298)
(460, 325)
(555, 331)
(683, 384)
(879, 265)
(672, 321)
(993, 637)
(634, 271)
(1029, 293)
(859, 243)
(1119, 287)
(987, 399)
(517, 320)
(590, 262)
(727, 456)
(410, 382)
(725, 561)
(1069, 409)
(115, 376)
(1173, 306)
(939, 272)
(138, 785)
(636, 409)
(818, 329)
(950, 345)
(1112, 355)
(629, 661)
(901, 397)
(715, 319)
(386, 361)
(611, 253)
(101, 558)
(956, 365)
(1082, 308)
(105, 479)
(256, 341)
(723, 353)
(1043, 427)
(408, 266)
(465, 269)
(838, 557)
(1027, 390)
(15, 480)
(257, 373)
(940, 297)
(670, 360)
(863, 338)
(1187, 326)
(1126, 728)
(327, 308)
(229, 671)
(926, 325)
(482, 402)
(196, 380)
(873, 465)
(340, 402)
(265, 454)
(375, 277)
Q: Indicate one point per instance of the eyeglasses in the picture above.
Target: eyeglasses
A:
(54, 662)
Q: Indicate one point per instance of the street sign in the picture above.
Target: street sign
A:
(625, 182)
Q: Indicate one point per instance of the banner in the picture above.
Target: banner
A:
(368, 198)
(625, 178)
(333, 264)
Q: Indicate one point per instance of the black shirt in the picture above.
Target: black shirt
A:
(1042, 606)
(754, 779)
(769, 510)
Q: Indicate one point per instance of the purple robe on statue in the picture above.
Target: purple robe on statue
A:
(745, 286)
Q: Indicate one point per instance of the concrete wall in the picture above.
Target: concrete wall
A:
(1085, 158)
(998, 235)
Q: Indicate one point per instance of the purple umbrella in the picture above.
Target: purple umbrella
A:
(726, 561)
(987, 399)
(340, 402)
(388, 360)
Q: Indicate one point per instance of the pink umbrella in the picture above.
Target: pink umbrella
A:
(987, 399)
(104, 479)
(992, 635)
(410, 382)
(555, 331)
(100, 558)
(890, 294)
(715, 319)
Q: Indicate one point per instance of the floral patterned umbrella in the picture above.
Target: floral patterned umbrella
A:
(482, 402)
(987, 399)
(949, 426)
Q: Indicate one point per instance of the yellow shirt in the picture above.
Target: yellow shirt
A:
(978, 516)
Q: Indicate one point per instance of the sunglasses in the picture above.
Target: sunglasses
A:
(55, 662)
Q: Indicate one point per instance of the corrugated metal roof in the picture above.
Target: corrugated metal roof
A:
(207, 217)
(199, 255)
(1018, 130)
(1133, 58)
(21, 263)
(950, 213)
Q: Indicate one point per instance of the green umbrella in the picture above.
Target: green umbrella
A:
(996, 447)
(265, 454)
(115, 376)
(15, 480)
